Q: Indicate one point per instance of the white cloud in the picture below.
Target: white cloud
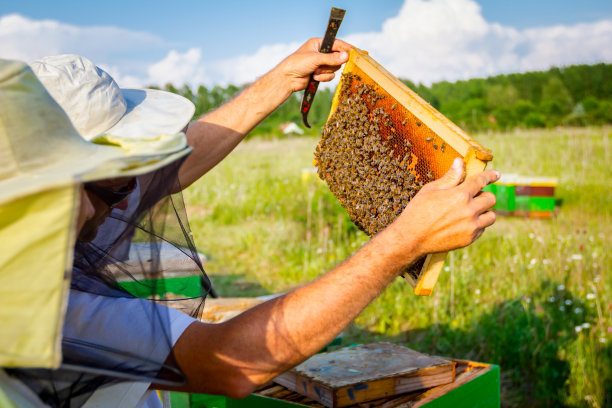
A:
(437, 40)
(191, 68)
(179, 69)
(25, 39)
(433, 40)
(428, 41)
(246, 68)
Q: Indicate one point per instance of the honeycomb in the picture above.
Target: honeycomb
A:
(375, 154)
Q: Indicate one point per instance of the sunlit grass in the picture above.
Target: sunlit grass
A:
(534, 296)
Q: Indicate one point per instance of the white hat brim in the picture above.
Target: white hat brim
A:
(151, 113)
(94, 163)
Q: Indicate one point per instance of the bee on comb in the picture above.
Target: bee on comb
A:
(380, 145)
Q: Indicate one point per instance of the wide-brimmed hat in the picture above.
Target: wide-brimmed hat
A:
(99, 108)
(40, 148)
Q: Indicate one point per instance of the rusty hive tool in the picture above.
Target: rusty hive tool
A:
(380, 145)
(335, 19)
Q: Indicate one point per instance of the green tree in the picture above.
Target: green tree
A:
(555, 90)
(498, 95)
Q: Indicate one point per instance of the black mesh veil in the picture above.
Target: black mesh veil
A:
(120, 322)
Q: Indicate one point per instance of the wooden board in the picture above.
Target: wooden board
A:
(215, 310)
(222, 309)
(365, 373)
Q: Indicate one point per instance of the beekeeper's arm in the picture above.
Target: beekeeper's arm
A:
(216, 134)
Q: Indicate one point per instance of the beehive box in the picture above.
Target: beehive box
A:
(504, 191)
(535, 197)
(476, 385)
(380, 145)
(522, 196)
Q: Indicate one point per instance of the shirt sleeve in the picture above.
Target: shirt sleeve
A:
(130, 325)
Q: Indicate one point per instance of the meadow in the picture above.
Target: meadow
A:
(532, 295)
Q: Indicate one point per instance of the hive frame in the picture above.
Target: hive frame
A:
(474, 155)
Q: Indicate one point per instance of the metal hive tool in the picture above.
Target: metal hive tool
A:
(380, 145)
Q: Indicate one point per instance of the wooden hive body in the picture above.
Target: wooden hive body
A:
(413, 132)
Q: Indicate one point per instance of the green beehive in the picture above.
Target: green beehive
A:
(504, 193)
(535, 196)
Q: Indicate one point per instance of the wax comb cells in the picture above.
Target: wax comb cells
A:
(380, 145)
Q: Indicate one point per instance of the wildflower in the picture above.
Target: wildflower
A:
(590, 296)
(447, 268)
(551, 299)
(561, 287)
(568, 302)
(596, 279)
(531, 235)
(577, 310)
(562, 308)
(539, 309)
(578, 329)
(546, 261)
(602, 340)
(609, 329)
(477, 291)
(576, 257)
(585, 325)
(533, 261)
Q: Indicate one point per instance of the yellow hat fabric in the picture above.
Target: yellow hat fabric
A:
(35, 262)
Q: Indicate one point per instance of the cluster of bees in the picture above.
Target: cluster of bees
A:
(371, 175)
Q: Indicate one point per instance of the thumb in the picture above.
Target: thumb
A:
(453, 176)
(331, 59)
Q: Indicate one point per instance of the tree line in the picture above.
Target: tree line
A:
(577, 95)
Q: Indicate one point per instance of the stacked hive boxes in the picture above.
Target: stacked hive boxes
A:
(525, 196)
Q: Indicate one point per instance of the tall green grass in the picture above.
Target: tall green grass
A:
(534, 296)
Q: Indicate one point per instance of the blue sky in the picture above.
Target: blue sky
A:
(215, 42)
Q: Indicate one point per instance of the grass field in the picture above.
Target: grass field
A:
(534, 296)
